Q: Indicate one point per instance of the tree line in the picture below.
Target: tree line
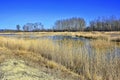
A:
(72, 24)
(105, 24)
(76, 24)
(31, 27)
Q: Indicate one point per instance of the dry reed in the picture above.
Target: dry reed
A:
(77, 59)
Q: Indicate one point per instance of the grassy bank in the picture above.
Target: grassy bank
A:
(76, 59)
(33, 61)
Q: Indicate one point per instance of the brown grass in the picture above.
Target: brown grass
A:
(72, 55)
(110, 36)
(37, 61)
(102, 46)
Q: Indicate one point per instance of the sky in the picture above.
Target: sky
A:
(13, 12)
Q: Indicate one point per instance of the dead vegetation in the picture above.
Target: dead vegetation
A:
(73, 60)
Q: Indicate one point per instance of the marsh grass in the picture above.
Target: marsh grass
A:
(71, 54)
(102, 46)
(93, 35)
(109, 36)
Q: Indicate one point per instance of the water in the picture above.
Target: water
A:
(9, 35)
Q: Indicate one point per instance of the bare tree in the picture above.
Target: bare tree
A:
(105, 24)
(33, 27)
(18, 27)
(70, 24)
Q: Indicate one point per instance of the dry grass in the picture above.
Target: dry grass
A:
(31, 50)
(93, 35)
(102, 46)
(71, 54)
(39, 62)
(110, 36)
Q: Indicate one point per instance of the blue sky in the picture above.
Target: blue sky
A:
(13, 12)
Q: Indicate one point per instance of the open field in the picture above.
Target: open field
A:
(66, 59)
